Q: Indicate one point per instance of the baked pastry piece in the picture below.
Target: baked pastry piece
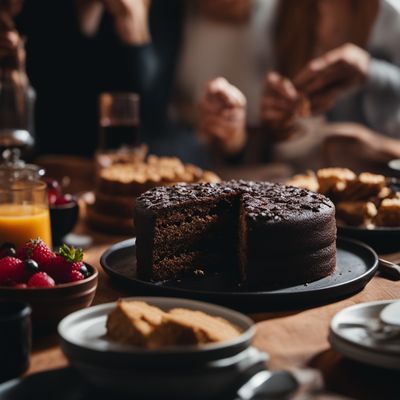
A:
(119, 184)
(356, 212)
(133, 322)
(264, 233)
(183, 326)
(307, 181)
(388, 213)
(366, 185)
(139, 324)
(334, 179)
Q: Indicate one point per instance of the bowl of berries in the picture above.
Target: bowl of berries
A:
(55, 284)
(64, 211)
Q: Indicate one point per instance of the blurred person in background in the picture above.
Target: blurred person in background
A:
(333, 58)
(163, 50)
(78, 49)
(342, 58)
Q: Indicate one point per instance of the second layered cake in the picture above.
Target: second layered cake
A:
(262, 232)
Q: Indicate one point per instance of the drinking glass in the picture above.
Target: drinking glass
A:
(119, 120)
(24, 211)
(119, 129)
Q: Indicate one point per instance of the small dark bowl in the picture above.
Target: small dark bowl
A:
(63, 220)
(50, 305)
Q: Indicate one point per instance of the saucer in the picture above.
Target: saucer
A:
(355, 343)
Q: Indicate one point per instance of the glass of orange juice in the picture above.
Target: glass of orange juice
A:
(24, 212)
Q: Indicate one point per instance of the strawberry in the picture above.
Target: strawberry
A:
(36, 250)
(12, 270)
(60, 267)
(42, 280)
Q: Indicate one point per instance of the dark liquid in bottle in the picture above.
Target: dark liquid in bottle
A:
(116, 136)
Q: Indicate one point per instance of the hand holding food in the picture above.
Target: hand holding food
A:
(223, 116)
(325, 78)
(281, 104)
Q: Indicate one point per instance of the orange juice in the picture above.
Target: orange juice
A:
(21, 222)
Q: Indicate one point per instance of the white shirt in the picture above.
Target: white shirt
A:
(240, 53)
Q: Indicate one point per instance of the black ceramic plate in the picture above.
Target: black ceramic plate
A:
(356, 265)
(381, 239)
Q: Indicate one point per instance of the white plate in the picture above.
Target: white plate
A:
(87, 328)
(356, 344)
(391, 314)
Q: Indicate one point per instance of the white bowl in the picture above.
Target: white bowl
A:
(176, 372)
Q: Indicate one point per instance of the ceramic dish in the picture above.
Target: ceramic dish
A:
(166, 373)
(50, 305)
(355, 343)
(356, 265)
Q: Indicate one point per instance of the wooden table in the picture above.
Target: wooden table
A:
(293, 340)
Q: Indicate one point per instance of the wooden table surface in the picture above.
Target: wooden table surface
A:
(293, 339)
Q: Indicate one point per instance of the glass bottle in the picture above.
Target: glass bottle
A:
(17, 97)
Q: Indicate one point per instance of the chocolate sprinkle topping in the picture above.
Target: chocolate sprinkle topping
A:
(262, 200)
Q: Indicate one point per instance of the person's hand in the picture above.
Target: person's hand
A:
(130, 19)
(326, 78)
(344, 140)
(223, 116)
(281, 104)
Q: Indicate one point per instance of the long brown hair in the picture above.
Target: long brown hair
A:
(295, 36)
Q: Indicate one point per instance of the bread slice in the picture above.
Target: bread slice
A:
(133, 322)
(188, 327)
(139, 324)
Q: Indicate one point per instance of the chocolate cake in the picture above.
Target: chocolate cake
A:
(265, 233)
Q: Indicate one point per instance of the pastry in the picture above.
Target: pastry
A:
(356, 212)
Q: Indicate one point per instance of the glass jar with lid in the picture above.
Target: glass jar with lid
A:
(24, 210)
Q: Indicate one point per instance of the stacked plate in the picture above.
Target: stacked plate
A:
(369, 333)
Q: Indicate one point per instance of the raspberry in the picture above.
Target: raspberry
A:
(77, 266)
(37, 250)
(12, 270)
(75, 276)
(41, 279)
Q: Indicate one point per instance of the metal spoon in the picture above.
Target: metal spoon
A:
(375, 328)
